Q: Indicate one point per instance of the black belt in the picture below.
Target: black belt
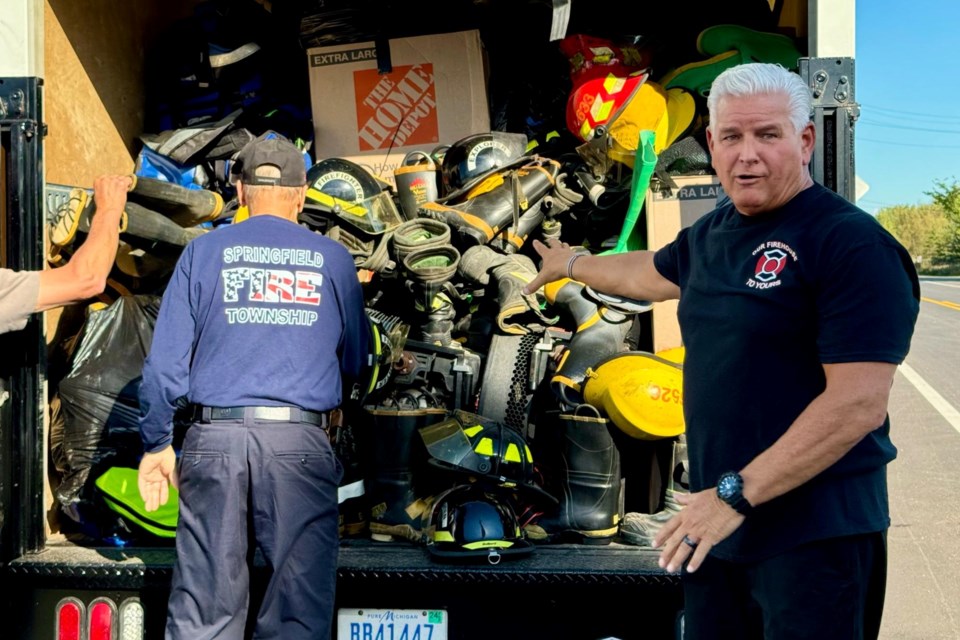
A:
(278, 414)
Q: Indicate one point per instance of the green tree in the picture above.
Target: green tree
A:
(947, 197)
(922, 229)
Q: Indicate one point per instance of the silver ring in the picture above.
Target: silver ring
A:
(691, 543)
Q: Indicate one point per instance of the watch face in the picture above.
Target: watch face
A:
(729, 486)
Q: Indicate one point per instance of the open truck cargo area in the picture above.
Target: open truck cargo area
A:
(78, 98)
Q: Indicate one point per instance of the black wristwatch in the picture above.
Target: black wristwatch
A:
(730, 490)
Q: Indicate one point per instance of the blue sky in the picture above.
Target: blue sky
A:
(908, 86)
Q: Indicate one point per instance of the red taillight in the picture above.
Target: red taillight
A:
(69, 619)
(101, 617)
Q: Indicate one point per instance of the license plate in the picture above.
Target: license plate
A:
(391, 624)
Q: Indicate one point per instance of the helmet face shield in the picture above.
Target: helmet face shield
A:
(447, 442)
(374, 215)
(353, 195)
(480, 447)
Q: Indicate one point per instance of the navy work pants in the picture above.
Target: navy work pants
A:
(246, 483)
(830, 590)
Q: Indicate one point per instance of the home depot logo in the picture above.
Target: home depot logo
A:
(396, 109)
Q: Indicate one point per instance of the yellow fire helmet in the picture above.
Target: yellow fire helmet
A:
(640, 392)
(673, 354)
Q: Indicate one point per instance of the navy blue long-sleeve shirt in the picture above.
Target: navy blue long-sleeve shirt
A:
(263, 313)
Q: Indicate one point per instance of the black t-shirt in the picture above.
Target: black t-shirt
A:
(765, 302)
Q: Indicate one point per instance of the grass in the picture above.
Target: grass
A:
(940, 270)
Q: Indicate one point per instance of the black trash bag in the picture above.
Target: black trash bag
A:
(99, 398)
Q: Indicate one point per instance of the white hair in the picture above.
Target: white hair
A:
(255, 192)
(758, 78)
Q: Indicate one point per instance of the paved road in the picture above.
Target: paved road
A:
(923, 589)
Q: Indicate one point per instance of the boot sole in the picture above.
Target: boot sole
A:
(389, 533)
(67, 221)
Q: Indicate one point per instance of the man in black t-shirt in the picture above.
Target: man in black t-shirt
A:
(795, 309)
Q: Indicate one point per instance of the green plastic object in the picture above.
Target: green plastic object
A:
(631, 238)
(118, 486)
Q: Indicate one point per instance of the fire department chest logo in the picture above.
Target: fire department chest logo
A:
(770, 264)
(772, 258)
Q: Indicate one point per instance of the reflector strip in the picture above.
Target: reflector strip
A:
(131, 619)
(101, 618)
(69, 617)
(484, 447)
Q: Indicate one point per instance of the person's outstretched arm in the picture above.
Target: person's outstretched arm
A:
(85, 275)
(630, 274)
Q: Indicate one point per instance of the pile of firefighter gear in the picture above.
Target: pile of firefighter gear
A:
(488, 418)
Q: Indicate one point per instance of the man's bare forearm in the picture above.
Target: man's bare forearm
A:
(853, 405)
(85, 275)
(631, 274)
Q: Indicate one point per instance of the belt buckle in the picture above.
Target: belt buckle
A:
(221, 413)
(279, 414)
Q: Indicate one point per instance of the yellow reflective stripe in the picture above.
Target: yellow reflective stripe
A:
(472, 431)
(592, 320)
(488, 544)
(443, 536)
(375, 374)
(567, 382)
(512, 454)
(330, 201)
(551, 289)
(478, 223)
(484, 447)
(526, 450)
(217, 207)
(613, 84)
(586, 131)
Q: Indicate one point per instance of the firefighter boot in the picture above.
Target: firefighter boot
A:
(496, 203)
(583, 472)
(397, 479)
(187, 207)
(518, 313)
(601, 333)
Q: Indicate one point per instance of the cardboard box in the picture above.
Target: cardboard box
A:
(436, 94)
(666, 215)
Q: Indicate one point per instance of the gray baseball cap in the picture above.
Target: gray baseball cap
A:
(276, 152)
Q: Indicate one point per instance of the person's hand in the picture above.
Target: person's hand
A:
(157, 472)
(688, 537)
(555, 256)
(110, 193)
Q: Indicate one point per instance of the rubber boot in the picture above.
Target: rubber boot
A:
(601, 333)
(640, 529)
(480, 218)
(513, 239)
(582, 468)
(352, 520)
(136, 223)
(149, 225)
(398, 482)
(511, 273)
(436, 322)
(418, 182)
(430, 270)
(186, 207)
(421, 233)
